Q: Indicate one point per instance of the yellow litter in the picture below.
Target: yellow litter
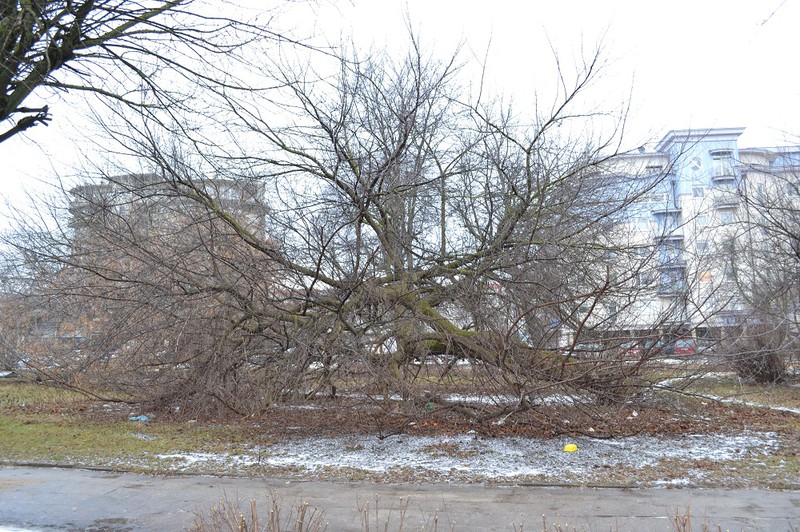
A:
(570, 448)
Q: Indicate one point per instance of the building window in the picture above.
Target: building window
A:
(726, 217)
(761, 191)
(669, 252)
(729, 321)
(701, 220)
(702, 246)
(698, 192)
(722, 163)
(728, 274)
(672, 281)
(646, 278)
(653, 169)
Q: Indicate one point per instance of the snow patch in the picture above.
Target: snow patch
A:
(479, 458)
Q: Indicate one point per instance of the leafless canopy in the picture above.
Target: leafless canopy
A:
(401, 236)
(115, 49)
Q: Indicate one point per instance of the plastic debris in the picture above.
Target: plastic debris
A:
(143, 419)
(570, 448)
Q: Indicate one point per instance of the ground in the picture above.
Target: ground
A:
(749, 439)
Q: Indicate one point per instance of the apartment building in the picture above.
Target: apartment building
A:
(710, 224)
(147, 203)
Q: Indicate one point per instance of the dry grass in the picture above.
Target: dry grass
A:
(229, 516)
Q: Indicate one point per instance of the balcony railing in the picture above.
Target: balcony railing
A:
(673, 263)
(671, 289)
(667, 234)
(723, 173)
(725, 198)
(667, 208)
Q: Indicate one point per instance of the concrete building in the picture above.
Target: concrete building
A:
(701, 226)
(146, 203)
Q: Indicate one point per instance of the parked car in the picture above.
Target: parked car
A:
(690, 346)
(656, 347)
(630, 350)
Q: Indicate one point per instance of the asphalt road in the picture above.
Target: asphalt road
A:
(50, 499)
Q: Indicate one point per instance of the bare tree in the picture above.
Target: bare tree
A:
(415, 242)
(763, 265)
(114, 49)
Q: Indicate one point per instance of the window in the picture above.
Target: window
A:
(698, 192)
(672, 280)
(653, 169)
(669, 252)
(729, 321)
(761, 191)
(728, 274)
(701, 220)
(726, 216)
(702, 246)
(646, 278)
(722, 163)
(668, 223)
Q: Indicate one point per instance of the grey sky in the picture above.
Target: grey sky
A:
(683, 64)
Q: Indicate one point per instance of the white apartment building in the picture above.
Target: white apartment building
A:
(700, 228)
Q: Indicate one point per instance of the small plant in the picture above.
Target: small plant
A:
(683, 522)
(228, 516)
(394, 518)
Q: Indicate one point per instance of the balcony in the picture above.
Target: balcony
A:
(725, 198)
(673, 263)
(669, 235)
(667, 208)
(671, 289)
(723, 174)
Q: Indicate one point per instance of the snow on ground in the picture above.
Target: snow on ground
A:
(478, 458)
(736, 401)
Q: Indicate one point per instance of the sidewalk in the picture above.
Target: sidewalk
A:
(71, 499)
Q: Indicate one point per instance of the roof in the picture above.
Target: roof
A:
(696, 135)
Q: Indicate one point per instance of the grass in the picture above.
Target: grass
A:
(69, 439)
(41, 424)
(45, 424)
(21, 394)
(783, 395)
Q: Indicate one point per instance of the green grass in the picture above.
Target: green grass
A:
(772, 395)
(37, 424)
(15, 394)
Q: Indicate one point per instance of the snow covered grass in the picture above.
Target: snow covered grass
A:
(473, 458)
(110, 440)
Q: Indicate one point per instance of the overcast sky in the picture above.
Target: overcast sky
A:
(682, 64)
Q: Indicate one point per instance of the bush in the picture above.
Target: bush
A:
(759, 352)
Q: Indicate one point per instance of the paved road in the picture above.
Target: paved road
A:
(72, 500)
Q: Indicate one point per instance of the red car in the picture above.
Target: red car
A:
(685, 347)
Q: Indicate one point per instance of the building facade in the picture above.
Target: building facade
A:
(148, 202)
(710, 222)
